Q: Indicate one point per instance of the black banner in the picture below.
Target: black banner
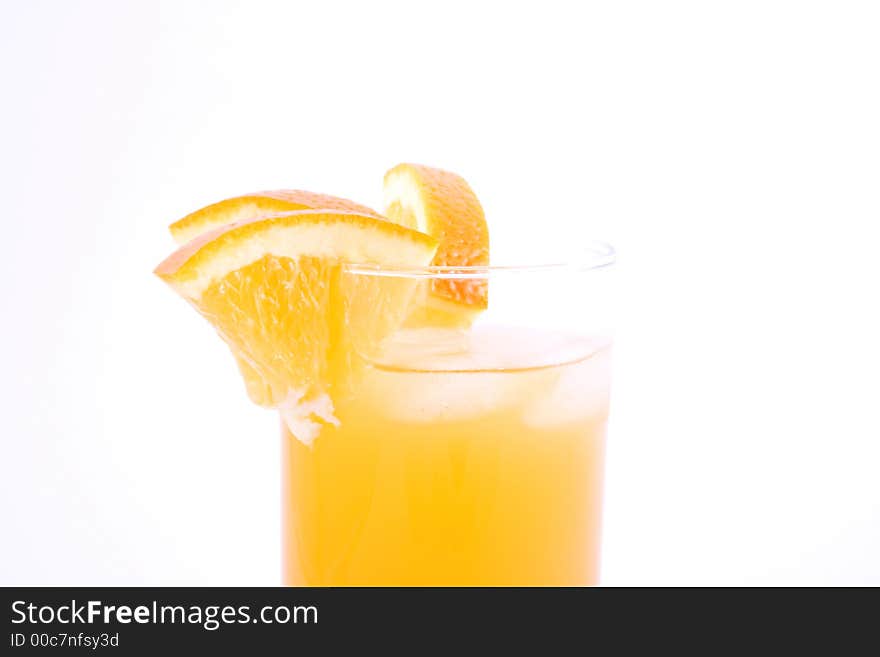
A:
(132, 621)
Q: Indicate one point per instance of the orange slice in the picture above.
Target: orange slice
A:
(241, 208)
(442, 204)
(249, 206)
(274, 290)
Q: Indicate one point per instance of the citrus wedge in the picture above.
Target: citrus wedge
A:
(249, 206)
(442, 204)
(273, 289)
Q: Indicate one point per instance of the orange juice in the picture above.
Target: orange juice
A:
(469, 461)
(428, 436)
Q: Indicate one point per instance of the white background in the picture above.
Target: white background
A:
(730, 150)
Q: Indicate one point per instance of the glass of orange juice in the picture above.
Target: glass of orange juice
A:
(469, 448)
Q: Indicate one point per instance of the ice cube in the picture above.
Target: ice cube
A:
(580, 393)
(421, 397)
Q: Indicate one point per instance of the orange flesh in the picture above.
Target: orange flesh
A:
(283, 314)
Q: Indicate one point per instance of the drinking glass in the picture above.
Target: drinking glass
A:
(468, 449)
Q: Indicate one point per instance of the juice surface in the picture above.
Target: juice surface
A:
(474, 464)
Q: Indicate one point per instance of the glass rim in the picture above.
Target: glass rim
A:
(591, 256)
